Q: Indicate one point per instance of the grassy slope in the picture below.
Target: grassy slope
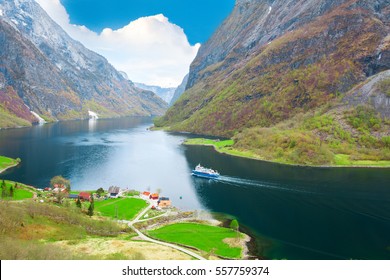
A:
(342, 137)
(44, 231)
(126, 208)
(204, 237)
(8, 119)
(20, 192)
(260, 90)
(32, 230)
(28, 230)
(275, 104)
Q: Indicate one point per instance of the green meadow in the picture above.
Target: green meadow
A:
(120, 208)
(6, 162)
(20, 191)
(211, 239)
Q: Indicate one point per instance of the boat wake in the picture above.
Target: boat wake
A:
(348, 202)
(240, 182)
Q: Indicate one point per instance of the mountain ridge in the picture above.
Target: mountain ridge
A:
(284, 59)
(164, 93)
(76, 79)
(179, 90)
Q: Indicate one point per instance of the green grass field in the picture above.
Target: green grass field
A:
(6, 162)
(20, 193)
(209, 142)
(120, 208)
(226, 146)
(204, 237)
(344, 160)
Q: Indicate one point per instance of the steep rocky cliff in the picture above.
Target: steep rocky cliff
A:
(57, 77)
(271, 60)
(179, 90)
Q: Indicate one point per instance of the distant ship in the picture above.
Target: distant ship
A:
(204, 172)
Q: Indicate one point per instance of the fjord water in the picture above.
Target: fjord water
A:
(294, 212)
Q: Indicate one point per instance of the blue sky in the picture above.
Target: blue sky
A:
(152, 41)
(198, 18)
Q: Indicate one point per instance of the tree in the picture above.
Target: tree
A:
(90, 210)
(91, 207)
(3, 189)
(60, 196)
(99, 191)
(234, 226)
(11, 191)
(78, 202)
(60, 181)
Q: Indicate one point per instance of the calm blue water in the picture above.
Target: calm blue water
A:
(294, 212)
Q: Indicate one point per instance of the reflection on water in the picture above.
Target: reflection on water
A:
(92, 125)
(101, 153)
(295, 212)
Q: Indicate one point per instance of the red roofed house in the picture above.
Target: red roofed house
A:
(85, 196)
(145, 195)
(154, 196)
(60, 189)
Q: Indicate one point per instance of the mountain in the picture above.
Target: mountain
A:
(273, 62)
(179, 90)
(165, 94)
(56, 76)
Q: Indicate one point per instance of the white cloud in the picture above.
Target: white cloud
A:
(150, 50)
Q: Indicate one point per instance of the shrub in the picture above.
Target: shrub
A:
(368, 141)
(11, 217)
(386, 141)
(384, 86)
(293, 143)
(16, 249)
(365, 118)
(67, 216)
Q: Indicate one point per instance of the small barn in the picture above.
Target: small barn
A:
(113, 191)
(85, 196)
(145, 195)
(164, 202)
(154, 196)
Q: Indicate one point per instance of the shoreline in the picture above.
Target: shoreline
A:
(76, 119)
(239, 154)
(177, 216)
(9, 167)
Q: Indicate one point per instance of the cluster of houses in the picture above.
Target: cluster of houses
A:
(113, 192)
(156, 200)
(84, 196)
(57, 189)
